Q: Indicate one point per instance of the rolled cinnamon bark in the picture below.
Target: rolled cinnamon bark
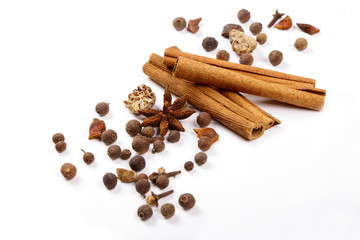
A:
(202, 73)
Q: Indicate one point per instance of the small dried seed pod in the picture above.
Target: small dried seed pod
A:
(162, 181)
(142, 176)
(125, 154)
(140, 144)
(144, 212)
(255, 28)
(114, 151)
(301, 44)
(189, 165)
(142, 186)
(133, 127)
(110, 180)
(159, 146)
(246, 59)
(209, 44)
(174, 136)
(261, 38)
(167, 210)
(179, 23)
(109, 136)
(148, 131)
(125, 175)
(102, 108)
(68, 171)
(137, 163)
(60, 146)
(243, 15)
(88, 157)
(193, 25)
(58, 137)
(204, 143)
(187, 201)
(275, 57)
(200, 158)
(223, 55)
(203, 119)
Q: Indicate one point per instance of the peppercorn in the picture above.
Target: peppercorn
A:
(209, 44)
(174, 136)
(109, 136)
(255, 28)
(58, 137)
(204, 143)
(261, 38)
(162, 181)
(275, 57)
(133, 127)
(179, 23)
(102, 108)
(125, 175)
(88, 157)
(60, 146)
(140, 144)
(68, 171)
(114, 151)
(187, 201)
(125, 154)
(148, 131)
(243, 15)
(142, 176)
(301, 44)
(200, 158)
(110, 180)
(223, 55)
(142, 186)
(203, 119)
(159, 146)
(189, 165)
(144, 212)
(137, 163)
(167, 210)
(246, 59)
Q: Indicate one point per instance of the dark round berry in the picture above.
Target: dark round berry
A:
(58, 137)
(88, 157)
(255, 28)
(114, 151)
(189, 165)
(148, 131)
(110, 180)
(261, 38)
(133, 127)
(109, 136)
(209, 44)
(246, 59)
(200, 158)
(125, 154)
(223, 55)
(167, 210)
(243, 15)
(68, 171)
(159, 146)
(179, 23)
(142, 186)
(102, 108)
(204, 143)
(187, 201)
(142, 176)
(275, 57)
(60, 146)
(137, 163)
(144, 212)
(203, 119)
(140, 144)
(174, 136)
(162, 181)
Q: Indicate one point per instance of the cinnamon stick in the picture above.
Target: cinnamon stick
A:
(202, 73)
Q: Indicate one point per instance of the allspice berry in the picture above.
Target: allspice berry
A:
(203, 119)
(200, 158)
(140, 144)
(88, 157)
(243, 15)
(187, 201)
(246, 59)
(58, 137)
(255, 28)
(109, 136)
(209, 44)
(204, 143)
(102, 108)
(223, 55)
(158, 146)
(60, 146)
(68, 171)
(142, 176)
(179, 23)
(137, 163)
(301, 44)
(162, 181)
(275, 57)
(114, 151)
(174, 136)
(110, 180)
(144, 212)
(148, 131)
(261, 38)
(133, 127)
(189, 165)
(142, 186)
(167, 210)
(125, 154)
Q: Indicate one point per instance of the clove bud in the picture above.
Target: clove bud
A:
(153, 199)
(276, 16)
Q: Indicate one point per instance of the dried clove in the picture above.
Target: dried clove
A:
(277, 16)
(307, 28)
(153, 199)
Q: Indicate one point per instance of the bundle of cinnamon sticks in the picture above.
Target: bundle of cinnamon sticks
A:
(213, 86)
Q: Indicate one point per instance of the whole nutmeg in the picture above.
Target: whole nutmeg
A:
(200, 158)
(243, 15)
(144, 212)
(204, 143)
(125, 154)
(140, 144)
(261, 38)
(68, 171)
(255, 28)
(60, 146)
(137, 163)
(162, 181)
(203, 119)
(114, 151)
(110, 181)
(209, 44)
(167, 210)
(223, 55)
(142, 186)
(133, 127)
(159, 146)
(148, 131)
(301, 44)
(246, 59)
(109, 136)
(58, 137)
(174, 136)
(179, 23)
(102, 108)
(187, 201)
(275, 57)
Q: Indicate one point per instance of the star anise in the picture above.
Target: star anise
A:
(168, 117)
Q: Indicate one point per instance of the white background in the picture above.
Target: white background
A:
(300, 180)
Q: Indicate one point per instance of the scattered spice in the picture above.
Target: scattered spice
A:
(126, 176)
(204, 143)
(125, 154)
(68, 171)
(137, 163)
(88, 157)
(102, 108)
(246, 59)
(144, 212)
(284, 24)
(193, 25)
(142, 176)
(167, 210)
(58, 137)
(255, 28)
(203, 119)
(301, 44)
(110, 180)
(189, 165)
(153, 199)
(153, 177)
(307, 28)
(187, 201)
(60, 146)
(142, 186)
(276, 16)
(223, 55)
(261, 38)
(109, 136)
(158, 146)
(97, 127)
(148, 131)
(133, 127)
(241, 43)
(162, 181)
(114, 151)
(275, 57)
(209, 44)
(200, 158)
(141, 98)
(243, 15)
(228, 27)
(174, 136)
(179, 23)
(140, 144)
(209, 132)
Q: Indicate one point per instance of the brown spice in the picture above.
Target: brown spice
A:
(68, 171)
(189, 165)
(102, 108)
(307, 28)
(179, 23)
(114, 151)
(261, 38)
(137, 163)
(277, 16)
(243, 15)
(223, 55)
(60, 146)
(203, 119)
(158, 146)
(255, 28)
(110, 180)
(275, 57)
(193, 25)
(126, 176)
(144, 212)
(204, 143)
(187, 201)
(88, 157)
(125, 154)
(167, 210)
(133, 127)
(228, 27)
(153, 199)
(140, 144)
(200, 158)
(142, 186)
(109, 136)
(284, 24)
(246, 59)
(208, 132)
(58, 137)
(301, 44)
(97, 127)
(174, 136)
